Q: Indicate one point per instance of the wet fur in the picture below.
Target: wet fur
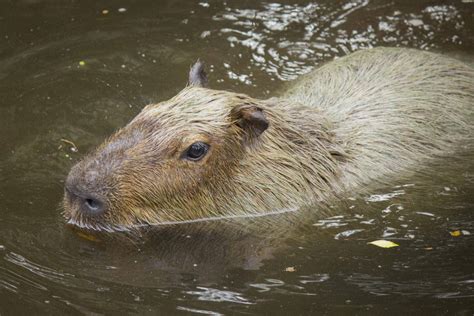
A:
(349, 125)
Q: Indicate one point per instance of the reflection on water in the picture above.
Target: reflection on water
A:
(71, 73)
(214, 295)
(287, 40)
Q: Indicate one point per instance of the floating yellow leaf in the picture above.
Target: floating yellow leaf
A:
(383, 243)
(455, 233)
(82, 63)
(290, 269)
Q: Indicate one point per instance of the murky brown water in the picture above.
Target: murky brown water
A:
(69, 71)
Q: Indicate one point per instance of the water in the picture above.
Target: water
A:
(72, 72)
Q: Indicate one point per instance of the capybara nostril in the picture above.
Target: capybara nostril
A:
(84, 201)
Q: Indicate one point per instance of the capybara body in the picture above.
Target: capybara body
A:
(205, 154)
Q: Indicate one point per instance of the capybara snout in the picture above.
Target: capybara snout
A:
(81, 193)
(207, 154)
(90, 185)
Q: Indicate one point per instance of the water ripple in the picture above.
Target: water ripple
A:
(35, 268)
(216, 295)
(287, 40)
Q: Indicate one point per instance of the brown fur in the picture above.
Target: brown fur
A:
(350, 123)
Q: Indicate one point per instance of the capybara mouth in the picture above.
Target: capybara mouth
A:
(80, 221)
(97, 226)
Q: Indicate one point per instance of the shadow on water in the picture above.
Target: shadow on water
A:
(76, 71)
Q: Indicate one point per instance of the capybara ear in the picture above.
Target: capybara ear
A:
(250, 118)
(197, 75)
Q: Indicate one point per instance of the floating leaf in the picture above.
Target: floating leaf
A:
(383, 243)
(82, 63)
(455, 233)
(290, 269)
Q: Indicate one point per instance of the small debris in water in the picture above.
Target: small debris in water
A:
(74, 148)
(82, 63)
(290, 269)
(383, 243)
(2, 247)
(123, 66)
(455, 233)
(465, 232)
(122, 10)
(104, 12)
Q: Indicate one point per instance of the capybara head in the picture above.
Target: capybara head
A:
(202, 154)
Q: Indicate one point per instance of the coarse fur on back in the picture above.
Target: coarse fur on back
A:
(393, 109)
(348, 125)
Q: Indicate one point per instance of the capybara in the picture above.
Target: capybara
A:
(206, 154)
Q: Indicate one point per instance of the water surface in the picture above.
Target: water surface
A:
(78, 70)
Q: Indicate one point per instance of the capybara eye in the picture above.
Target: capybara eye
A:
(196, 151)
